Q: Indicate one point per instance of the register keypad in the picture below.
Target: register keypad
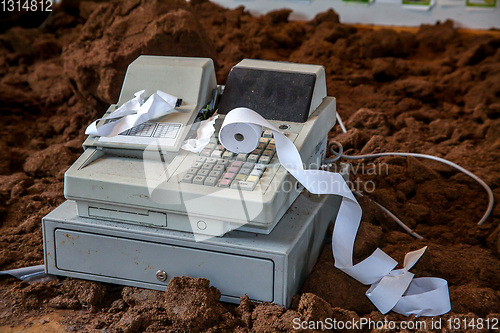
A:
(217, 166)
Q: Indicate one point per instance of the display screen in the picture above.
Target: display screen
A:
(275, 95)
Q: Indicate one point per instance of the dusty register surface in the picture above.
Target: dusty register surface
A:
(433, 90)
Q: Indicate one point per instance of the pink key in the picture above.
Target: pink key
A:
(236, 164)
(229, 175)
(233, 169)
(224, 182)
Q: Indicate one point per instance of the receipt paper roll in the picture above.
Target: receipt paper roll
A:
(240, 137)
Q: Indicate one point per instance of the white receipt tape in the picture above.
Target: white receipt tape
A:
(133, 113)
(390, 289)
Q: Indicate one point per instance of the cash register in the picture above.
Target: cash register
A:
(142, 210)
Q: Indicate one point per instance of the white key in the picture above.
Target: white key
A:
(201, 159)
(259, 166)
(268, 134)
(197, 165)
(219, 167)
(253, 158)
(199, 180)
(223, 162)
(256, 173)
(188, 178)
(215, 174)
(203, 172)
(243, 185)
(248, 165)
(216, 153)
(193, 171)
(228, 154)
(211, 181)
(241, 157)
(207, 166)
(206, 152)
(264, 160)
(245, 171)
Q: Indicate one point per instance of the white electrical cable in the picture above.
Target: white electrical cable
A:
(394, 217)
(339, 154)
(341, 123)
(491, 199)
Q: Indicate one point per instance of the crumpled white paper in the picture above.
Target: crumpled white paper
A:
(390, 289)
(203, 135)
(133, 113)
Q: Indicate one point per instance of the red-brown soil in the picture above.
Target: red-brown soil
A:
(435, 90)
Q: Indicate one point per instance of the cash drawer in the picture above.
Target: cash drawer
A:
(131, 260)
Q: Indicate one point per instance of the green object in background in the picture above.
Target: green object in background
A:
(417, 2)
(481, 3)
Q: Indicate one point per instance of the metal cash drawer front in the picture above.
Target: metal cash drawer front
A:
(134, 260)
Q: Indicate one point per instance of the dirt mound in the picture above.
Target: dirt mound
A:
(116, 33)
(434, 91)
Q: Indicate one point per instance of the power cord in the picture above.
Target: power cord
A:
(340, 154)
(394, 217)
